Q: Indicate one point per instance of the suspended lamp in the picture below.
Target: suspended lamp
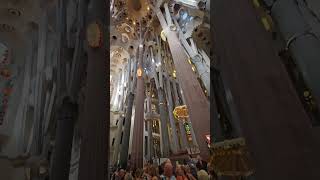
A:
(139, 72)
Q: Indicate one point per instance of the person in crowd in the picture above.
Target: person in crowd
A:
(180, 173)
(201, 164)
(114, 174)
(203, 175)
(212, 174)
(138, 174)
(193, 170)
(146, 172)
(192, 165)
(160, 169)
(121, 174)
(188, 173)
(168, 172)
(167, 161)
(153, 172)
(128, 176)
(118, 175)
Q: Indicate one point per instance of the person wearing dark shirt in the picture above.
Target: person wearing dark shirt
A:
(201, 164)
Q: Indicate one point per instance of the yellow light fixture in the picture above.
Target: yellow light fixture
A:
(193, 69)
(163, 36)
(189, 60)
(174, 74)
(139, 72)
(181, 112)
(134, 23)
(148, 8)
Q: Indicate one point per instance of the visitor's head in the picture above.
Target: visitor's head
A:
(128, 176)
(187, 169)
(138, 173)
(122, 173)
(179, 170)
(203, 175)
(153, 171)
(168, 169)
(168, 161)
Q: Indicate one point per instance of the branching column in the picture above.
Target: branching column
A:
(196, 101)
(127, 124)
(138, 131)
(202, 68)
(63, 142)
(162, 105)
(95, 137)
(174, 143)
(117, 140)
(181, 125)
(149, 124)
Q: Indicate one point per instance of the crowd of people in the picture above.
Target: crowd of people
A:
(190, 169)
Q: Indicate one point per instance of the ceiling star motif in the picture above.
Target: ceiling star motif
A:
(137, 14)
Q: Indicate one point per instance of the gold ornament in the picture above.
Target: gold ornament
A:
(231, 158)
(181, 112)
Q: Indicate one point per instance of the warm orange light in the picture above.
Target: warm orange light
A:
(139, 72)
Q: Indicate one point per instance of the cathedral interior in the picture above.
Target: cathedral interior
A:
(88, 87)
(160, 67)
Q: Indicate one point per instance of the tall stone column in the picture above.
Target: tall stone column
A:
(196, 101)
(42, 44)
(63, 141)
(115, 90)
(162, 106)
(216, 134)
(202, 68)
(117, 141)
(150, 139)
(127, 125)
(149, 125)
(163, 118)
(174, 143)
(117, 98)
(95, 126)
(138, 131)
(181, 125)
(126, 133)
(122, 91)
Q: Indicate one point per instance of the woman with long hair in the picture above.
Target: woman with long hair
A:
(180, 173)
(154, 172)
